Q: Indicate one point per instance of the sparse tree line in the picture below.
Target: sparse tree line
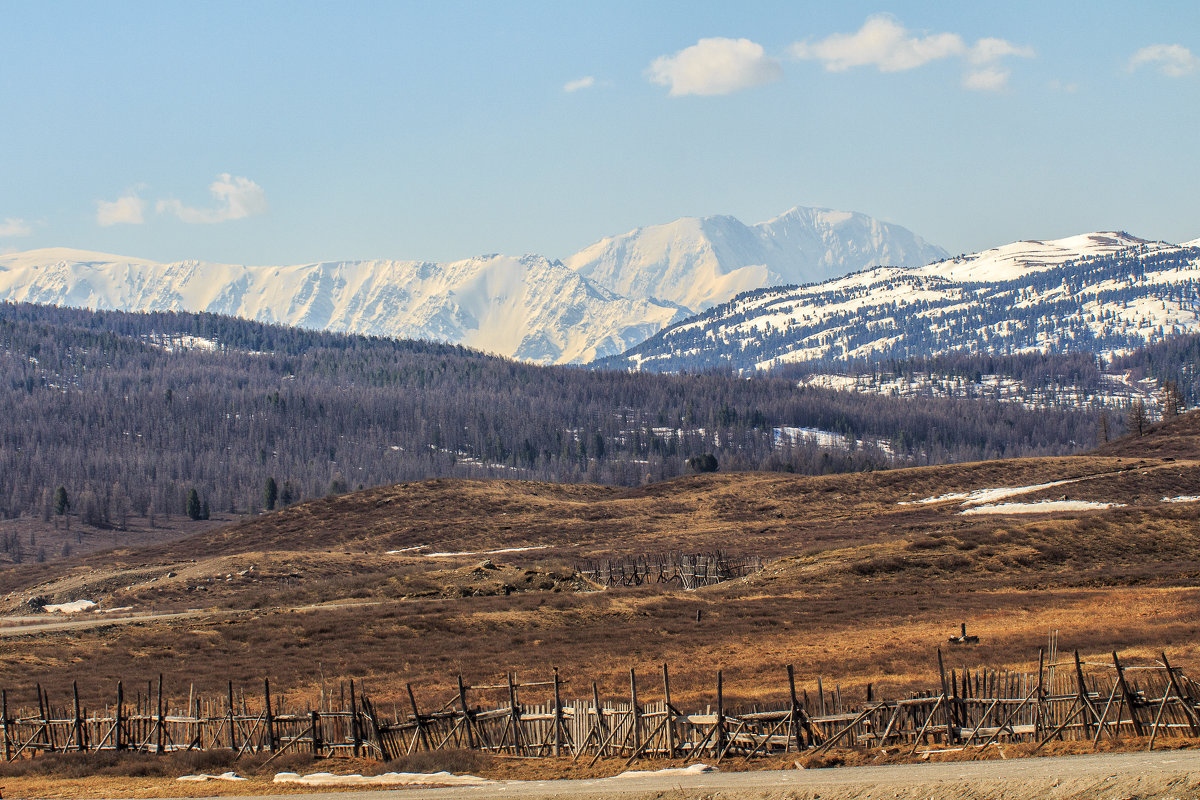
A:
(274, 415)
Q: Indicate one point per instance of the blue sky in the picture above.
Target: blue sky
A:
(261, 132)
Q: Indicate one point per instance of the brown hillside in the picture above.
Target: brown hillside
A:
(867, 575)
(1176, 438)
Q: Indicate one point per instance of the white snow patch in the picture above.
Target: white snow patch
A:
(1040, 507)
(488, 552)
(1183, 498)
(405, 550)
(988, 495)
(694, 769)
(224, 776)
(386, 779)
(73, 607)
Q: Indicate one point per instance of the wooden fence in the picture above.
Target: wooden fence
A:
(1067, 699)
(689, 570)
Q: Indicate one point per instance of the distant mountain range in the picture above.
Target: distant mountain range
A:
(599, 302)
(1103, 292)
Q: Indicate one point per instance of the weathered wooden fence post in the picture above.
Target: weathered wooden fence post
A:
(269, 716)
(670, 713)
(119, 725)
(1129, 698)
(78, 723)
(558, 717)
(160, 747)
(233, 745)
(7, 723)
(355, 728)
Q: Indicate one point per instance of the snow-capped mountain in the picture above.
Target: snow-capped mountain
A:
(529, 308)
(1100, 292)
(698, 262)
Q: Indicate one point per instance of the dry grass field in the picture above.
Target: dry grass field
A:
(863, 582)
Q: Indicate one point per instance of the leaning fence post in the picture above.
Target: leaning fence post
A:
(795, 708)
(1128, 696)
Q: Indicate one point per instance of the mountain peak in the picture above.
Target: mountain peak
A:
(700, 262)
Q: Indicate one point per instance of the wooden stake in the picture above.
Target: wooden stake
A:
(270, 717)
(670, 729)
(1127, 696)
(160, 746)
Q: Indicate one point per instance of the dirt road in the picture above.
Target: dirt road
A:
(1110, 776)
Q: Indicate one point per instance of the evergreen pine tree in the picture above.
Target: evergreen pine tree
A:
(193, 504)
(270, 494)
(61, 503)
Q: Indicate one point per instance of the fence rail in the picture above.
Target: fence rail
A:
(1070, 700)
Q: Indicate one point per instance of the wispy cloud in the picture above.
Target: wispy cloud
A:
(237, 198)
(884, 43)
(1172, 60)
(715, 66)
(881, 42)
(15, 227)
(125, 210)
(586, 82)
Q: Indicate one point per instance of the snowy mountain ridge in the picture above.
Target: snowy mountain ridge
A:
(599, 303)
(528, 308)
(1102, 292)
(698, 262)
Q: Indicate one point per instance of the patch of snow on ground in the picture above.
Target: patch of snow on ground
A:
(1183, 498)
(224, 776)
(694, 769)
(72, 608)
(488, 552)
(405, 550)
(1041, 507)
(988, 495)
(386, 779)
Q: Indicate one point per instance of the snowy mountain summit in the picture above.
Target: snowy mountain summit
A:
(698, 262)
(598, 303)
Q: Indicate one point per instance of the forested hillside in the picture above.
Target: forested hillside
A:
(130, 412)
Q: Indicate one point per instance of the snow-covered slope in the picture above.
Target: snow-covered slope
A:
(1011, 261)
(1100, 292)
(528, 308)
(698, 262)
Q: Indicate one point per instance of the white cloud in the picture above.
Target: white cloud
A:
(715, 66)
(583, 83)
(237, 198)
(15, 227)
(125, 210)
(987, 79)
(1172, 60)
(881, 42)
(989, 49)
